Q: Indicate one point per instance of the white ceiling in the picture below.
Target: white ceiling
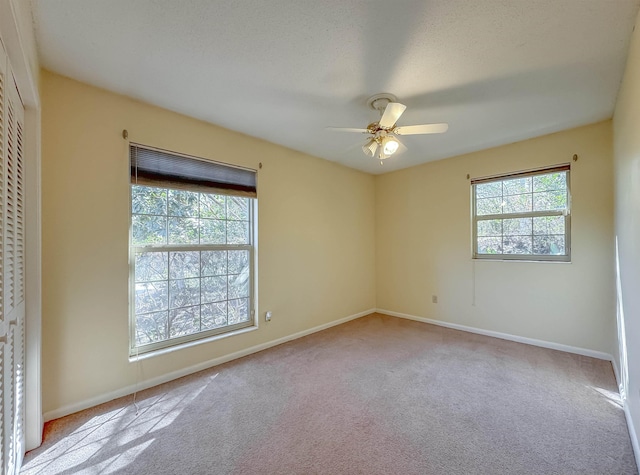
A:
(497, 71)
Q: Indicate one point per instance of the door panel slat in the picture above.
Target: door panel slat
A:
(12, 259)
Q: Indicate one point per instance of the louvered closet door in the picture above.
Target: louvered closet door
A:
(12, 306)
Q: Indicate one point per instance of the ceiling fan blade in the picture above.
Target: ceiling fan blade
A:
(421, 129)
(391, 114)
(347, 129)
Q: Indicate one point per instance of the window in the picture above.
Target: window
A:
(191, 251)
(523, 216)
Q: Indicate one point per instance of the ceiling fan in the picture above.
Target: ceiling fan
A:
(383, 134)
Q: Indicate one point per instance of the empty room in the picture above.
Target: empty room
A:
(302, 237)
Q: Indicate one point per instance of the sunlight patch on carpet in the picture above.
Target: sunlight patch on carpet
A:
(110, 441)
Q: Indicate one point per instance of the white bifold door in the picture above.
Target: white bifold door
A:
(12, 304)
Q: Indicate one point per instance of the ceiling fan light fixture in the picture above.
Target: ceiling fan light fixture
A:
(381, 154)
(390, 145)
(370, 147)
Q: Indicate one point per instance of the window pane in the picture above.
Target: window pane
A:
(184, 292)
(238, 311)
(183, 231)
(550, 182)
(237, 208)
(489, 245)
(548, 225)
(517, 244)
(489, 190)
(238, 261)
(213, 315)
(550, 200)
(183, 203)
(151, 327)
(238, 232)
(213, 231)
(490, 227)
(148, 230)
(184, 321)
(148, 200)
(184, 264)
(214, 262)
(214, 289)
(517, 204)
(516, 186)
(486, 206)
(517, 226)
(151, 266)
(239, 285)
(212, 206)
(151, 297)
(549, 245)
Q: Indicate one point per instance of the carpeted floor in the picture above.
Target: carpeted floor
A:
(378, 395)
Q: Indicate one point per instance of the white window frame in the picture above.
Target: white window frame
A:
(530, 214)
(202, 336)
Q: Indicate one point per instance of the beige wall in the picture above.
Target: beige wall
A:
(423, 246)
(332, 241)
(626, 132)
(316, 237)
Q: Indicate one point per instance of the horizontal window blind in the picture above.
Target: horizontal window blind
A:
(160, 168)
(539, 171)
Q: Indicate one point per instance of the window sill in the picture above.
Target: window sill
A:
(533, 261)
(189, 344)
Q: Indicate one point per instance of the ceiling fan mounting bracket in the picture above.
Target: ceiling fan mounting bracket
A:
(378, 102)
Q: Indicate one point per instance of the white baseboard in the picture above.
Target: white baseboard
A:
(503, 336)
(149, 383)
(632, 434)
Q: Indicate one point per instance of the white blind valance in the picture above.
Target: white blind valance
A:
(157, 167)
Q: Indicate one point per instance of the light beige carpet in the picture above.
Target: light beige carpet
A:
(378, 395)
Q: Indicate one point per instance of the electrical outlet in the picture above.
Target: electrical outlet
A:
(434, 299)
(268, 315)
